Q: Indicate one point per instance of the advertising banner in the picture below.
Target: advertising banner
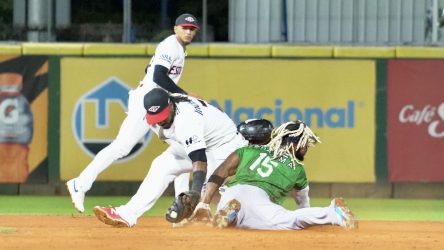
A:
(94, 95)
(415, 132)
(23, 118)
(335, 97)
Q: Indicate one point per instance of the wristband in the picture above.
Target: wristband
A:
(216, 179)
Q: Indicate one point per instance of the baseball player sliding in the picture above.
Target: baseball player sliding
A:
(164, 70)
(263, 176)
(200, 137)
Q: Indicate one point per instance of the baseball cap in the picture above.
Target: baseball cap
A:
(187, 20)
(157, 106)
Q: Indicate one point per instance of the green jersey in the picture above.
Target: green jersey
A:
(277, 177)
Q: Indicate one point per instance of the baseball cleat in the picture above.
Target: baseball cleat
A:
(77, 195)
(227, 216)
(346, 218)
(109, 216)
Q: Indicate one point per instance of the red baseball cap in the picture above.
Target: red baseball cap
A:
(157, 105)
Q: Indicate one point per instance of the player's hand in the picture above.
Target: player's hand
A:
(202, 214)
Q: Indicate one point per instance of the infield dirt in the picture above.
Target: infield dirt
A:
(86, 232)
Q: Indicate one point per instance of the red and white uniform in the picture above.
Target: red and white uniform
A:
(170, 54)
(196, 125)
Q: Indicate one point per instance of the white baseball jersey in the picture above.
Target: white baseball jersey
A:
(198, 125)
(259, 212)
(170, 54)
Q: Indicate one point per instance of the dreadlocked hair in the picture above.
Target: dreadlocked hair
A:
(176, 98)
(179, 98)
(285, 137)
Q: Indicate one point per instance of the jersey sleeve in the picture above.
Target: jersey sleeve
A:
(302, 181)
(191, 132)
(165, 55)
(240, 151)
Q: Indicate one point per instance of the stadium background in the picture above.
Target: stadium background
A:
(353, 97)
(365, 74)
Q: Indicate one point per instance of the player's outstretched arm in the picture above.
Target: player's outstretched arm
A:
(184, 204)
(162, 79)
(226, 169)
(202, 213)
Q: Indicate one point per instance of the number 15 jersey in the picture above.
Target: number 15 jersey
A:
(277, 177)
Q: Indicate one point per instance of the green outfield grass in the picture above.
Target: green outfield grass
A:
(365, 209)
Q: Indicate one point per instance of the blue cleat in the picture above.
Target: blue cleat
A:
(227, 216)
(346, 218)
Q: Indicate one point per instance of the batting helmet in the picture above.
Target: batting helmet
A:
(256, 131)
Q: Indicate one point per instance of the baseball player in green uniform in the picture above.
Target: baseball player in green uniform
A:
(263, 176)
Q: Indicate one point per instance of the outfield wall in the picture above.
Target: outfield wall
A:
(379, 111)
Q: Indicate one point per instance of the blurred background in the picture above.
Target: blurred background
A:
(356, 22)
(105, 21)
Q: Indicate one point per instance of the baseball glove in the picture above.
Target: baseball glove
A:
(182, 207)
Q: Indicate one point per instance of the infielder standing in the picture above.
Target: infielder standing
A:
(263, 176)
(164, 70)
(200, 136)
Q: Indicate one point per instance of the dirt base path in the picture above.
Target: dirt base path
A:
(86, 232)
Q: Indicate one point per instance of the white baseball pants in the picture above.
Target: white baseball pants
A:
(258, 212)
(164, 169)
